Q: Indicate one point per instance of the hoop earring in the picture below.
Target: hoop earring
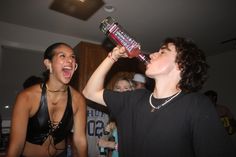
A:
(49, 69)
(76, 66)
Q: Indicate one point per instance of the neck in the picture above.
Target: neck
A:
(158, 93)
(166, 86)
(54, 89)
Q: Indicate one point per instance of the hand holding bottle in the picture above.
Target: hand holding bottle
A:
(119, 36)
(118, 52)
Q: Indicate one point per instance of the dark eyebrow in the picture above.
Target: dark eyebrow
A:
(165, 47)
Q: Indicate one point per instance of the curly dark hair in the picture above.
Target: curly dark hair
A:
(48, 54)
(192, 63)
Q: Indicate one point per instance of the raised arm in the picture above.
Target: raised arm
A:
(95, 85)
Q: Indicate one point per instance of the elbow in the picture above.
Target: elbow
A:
(85, 93)
(94, 95)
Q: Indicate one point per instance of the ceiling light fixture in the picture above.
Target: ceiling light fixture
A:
(81, 9)
(109, 8)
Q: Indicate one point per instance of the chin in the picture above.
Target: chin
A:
(147, 73)
(67, 80)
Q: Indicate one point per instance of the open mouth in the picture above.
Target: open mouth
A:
(67, 71)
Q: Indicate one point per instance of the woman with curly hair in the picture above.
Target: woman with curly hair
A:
(174, 120)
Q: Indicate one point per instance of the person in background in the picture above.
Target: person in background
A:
(109, 144)
(174, 120)
(139, 81)
(44, 114)
(121, 84)
(32, 80)
(97, 118)
(224, 113)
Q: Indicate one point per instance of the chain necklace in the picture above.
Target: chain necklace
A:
(55, 91)
(163, 104)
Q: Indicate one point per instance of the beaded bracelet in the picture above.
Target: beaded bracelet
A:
(110, 56)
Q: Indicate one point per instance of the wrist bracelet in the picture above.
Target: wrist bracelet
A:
(110, 56)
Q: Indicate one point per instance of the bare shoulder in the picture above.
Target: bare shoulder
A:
(32, 91)
(29, 96)
(77, 99)
(76, 95)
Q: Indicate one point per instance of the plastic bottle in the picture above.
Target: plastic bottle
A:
(119, 36)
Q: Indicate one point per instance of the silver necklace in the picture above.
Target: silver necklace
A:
(163, 104)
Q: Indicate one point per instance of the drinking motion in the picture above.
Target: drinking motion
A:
(119, 36)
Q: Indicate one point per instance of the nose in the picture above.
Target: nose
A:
(69, 59)
(151, 55)
(154, 54)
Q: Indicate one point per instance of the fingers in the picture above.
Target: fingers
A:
(119, 51)
(101, 142)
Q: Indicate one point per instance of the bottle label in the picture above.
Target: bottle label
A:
(125, 40)
(119, 36)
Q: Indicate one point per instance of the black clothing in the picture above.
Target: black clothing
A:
(40, 125)
(62, 154)
(187, 126)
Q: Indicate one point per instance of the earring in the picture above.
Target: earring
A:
(49, 68)
(76, 66)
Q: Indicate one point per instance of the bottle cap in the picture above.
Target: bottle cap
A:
(106, 24)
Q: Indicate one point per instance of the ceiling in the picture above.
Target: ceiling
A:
(210, 23)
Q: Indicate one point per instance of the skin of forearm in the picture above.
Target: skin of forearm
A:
(95, 86)
(82, 149)
(96, 81)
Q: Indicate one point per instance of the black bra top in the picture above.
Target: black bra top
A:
(40, 125)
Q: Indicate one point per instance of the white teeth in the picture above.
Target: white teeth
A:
(69, 68)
